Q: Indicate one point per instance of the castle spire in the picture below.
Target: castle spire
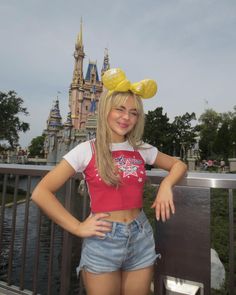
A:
(79, 43)
(106, 64)
(54, 119)
(79, 55)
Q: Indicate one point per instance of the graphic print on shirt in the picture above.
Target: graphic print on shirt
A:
(129, 167)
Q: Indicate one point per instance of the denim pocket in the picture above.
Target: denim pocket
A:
(147, 229)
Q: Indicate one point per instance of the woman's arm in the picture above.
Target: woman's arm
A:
(44, 196)
(163, 203)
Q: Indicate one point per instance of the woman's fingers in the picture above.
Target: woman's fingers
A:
(95, 226)
(164, 210)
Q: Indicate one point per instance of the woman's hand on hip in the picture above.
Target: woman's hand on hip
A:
(93, 225)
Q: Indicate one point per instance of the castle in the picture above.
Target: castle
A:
(84, 94)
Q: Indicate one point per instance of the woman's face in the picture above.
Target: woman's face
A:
(122, 119)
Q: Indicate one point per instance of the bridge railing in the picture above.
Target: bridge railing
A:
(37, 257)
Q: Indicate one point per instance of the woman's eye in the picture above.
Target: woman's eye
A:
(134, 114)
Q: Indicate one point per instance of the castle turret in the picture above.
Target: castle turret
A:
(67, 126)
(54, 119)
(76, 89)
(106, 64)
(54, 126)
(79, 58)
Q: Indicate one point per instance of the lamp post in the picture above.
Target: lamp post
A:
(234, 144)
(182, 150)
(174, 153)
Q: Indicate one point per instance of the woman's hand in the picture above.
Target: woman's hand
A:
(163, 203)
(94, 226)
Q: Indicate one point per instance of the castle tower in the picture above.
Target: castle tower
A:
(84, 94)
(106, 63)
(54, 120)
(76, 88)
(54, 126)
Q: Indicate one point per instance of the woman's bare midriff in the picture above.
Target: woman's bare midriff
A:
(123, 215)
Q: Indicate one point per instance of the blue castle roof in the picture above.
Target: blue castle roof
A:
(92, 66)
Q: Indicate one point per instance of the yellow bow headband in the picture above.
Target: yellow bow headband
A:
(115, 80)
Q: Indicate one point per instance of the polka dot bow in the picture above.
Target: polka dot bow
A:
(115, 80)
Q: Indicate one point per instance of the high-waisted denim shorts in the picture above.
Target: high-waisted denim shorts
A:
(129, 246)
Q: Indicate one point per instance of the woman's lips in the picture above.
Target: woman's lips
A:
(123, 125)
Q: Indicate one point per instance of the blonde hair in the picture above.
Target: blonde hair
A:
(104, 160)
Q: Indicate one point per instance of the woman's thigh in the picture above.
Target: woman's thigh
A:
(137, 282)
(102, 284)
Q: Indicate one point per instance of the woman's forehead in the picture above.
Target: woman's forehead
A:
(127, 102)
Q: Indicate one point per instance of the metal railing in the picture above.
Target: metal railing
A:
(37, 257)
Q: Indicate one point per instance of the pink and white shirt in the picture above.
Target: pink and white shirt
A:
(131, 167)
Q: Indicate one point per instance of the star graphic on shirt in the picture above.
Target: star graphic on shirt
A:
(128, 168)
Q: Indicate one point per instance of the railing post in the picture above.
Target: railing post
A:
(231, 243)
(184, 244)
(66, 245)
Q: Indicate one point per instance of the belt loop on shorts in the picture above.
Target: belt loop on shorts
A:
(139, 224)
(113, 228)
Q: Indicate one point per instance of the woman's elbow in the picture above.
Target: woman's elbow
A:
(184, 166)
(36, 195)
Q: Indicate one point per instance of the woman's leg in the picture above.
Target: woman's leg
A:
(102, 284)
(136, 282)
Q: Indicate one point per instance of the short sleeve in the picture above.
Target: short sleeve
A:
(79, 156)
(148, 153)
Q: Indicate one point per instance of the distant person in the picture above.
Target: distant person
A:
(222, 165)
(118, 249)
(210, 163)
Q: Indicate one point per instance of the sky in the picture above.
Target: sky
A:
(187, 46)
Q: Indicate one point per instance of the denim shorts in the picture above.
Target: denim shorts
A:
(129, 246)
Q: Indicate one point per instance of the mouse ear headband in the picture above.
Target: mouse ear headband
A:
(115, 80)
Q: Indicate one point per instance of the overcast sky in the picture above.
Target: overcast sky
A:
(187, 46)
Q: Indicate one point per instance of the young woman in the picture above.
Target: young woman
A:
(118, 248)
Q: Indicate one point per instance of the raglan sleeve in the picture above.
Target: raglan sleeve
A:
(79, 156)
(148, 153)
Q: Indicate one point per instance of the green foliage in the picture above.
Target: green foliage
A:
(36, 147)
(157, 130)
(220, 230)
(220, 224)
(11, 107)
(148, 198)
(183, 132)
(217, 135)
(222, 142)
(168, 137)
(208, 132)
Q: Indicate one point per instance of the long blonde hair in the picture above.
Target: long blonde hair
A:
(104, 160)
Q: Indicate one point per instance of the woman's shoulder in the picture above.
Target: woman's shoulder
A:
(148, 152)
(145, 145)
(80, 155)
(84, 145)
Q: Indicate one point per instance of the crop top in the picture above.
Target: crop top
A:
(131, 168)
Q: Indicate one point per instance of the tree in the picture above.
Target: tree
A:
(222, 142)
(157, 130)
(209, 124)
(36, 147)
(11, 107)
(232, 132)
(230, 118)
(183, 133)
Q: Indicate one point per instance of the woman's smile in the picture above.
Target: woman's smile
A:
(122, 119)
